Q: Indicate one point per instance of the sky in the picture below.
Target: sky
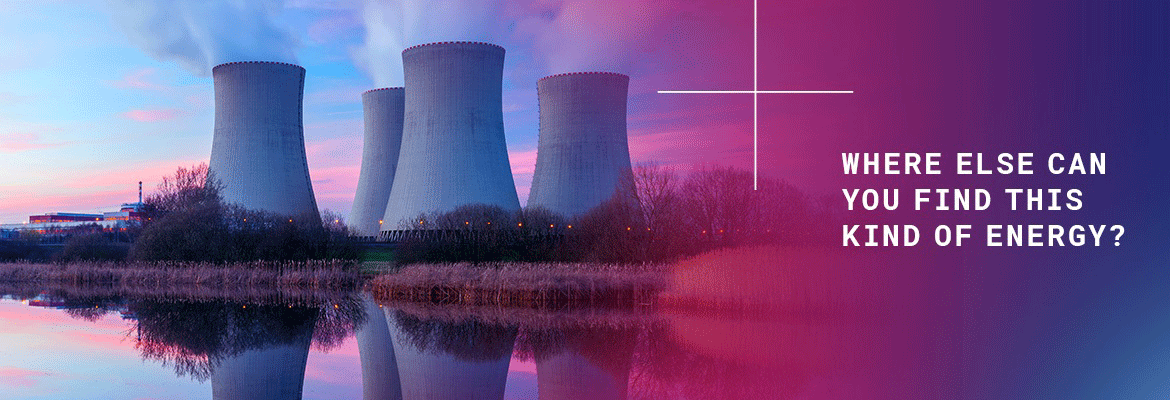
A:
(96, 96)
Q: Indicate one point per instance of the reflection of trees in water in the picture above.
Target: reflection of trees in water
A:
(469, 340)
(89, 308)
(195, 337)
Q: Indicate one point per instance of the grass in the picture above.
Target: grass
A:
(511, 284)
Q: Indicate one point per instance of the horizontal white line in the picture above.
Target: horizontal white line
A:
(755, 91)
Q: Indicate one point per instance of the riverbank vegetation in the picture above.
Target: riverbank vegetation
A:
(316, 274)
(658, 215)
(540, 285)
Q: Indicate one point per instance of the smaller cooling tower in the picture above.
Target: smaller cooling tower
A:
(383, 138)
(258, 152)
(453, 149)
(583, 153)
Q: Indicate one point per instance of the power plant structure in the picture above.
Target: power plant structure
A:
(582, 153)
(383, 110)
(258, 151)
(453, 150)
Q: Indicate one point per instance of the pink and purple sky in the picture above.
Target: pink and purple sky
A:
(98, 95)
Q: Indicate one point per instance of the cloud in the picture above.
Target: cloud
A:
(582, 35)
(200, 34)
(329, 29)
(20, 377)
(23, 141)
(522, 161)
(141, 78)
(154, 115)
(523, 164)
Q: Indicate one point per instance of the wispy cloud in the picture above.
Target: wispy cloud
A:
(522, 161)
(165, 114)
(24, 141)
(523, 164)
(20, 377)
(142, 78)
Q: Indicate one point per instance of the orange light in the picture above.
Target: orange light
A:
(520, 224)
(550, 225)
(570, 227)
(290, 220)
(379, 222)
(466, 223)
(627, 228)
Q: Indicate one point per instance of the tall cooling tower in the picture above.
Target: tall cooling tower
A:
(258, 152)
(383, 138)
(453, 150)
(582, 152)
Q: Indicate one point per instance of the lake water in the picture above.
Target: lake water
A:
(58, 345)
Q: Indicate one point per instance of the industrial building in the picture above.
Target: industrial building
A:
(453, 150)
(258, 150)
(383, 109)
(582, 152)
(62, 223)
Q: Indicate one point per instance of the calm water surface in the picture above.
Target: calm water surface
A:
(62, 346)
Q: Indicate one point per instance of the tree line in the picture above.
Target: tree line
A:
(657, 215)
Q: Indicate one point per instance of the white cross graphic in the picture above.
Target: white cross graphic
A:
(755, 92)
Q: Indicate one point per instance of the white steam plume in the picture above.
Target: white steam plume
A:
(199, 34)
(585, 35)
(392, 26)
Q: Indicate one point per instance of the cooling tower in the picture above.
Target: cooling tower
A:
(582, 152)
(275, 372)
(376, 350)
(383, 137)
(453, 150)
(434, 372)
(258, 152)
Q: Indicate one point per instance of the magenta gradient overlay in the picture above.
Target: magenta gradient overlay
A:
(964, 76)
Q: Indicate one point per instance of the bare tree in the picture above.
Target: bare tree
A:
(191, 187)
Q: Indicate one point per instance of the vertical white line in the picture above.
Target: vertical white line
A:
(755, 95)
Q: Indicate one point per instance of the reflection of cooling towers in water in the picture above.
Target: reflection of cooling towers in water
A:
(276, 372)
(383, 138)
(441, 360)
(583, 363)
(583, 152)
(379, 365)
(258, 152)
(453, 149)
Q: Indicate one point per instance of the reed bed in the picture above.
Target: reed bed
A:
(194, 277)
(532, 285)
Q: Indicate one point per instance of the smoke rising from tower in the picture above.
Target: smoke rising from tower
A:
(393, 25)
(199, 34)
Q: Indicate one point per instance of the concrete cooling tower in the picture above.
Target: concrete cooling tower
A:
(453, 150)
(582, 152)
(383, 138)
(258, 152)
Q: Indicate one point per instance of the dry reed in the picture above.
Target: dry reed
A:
(191, 278)
(539, 285)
